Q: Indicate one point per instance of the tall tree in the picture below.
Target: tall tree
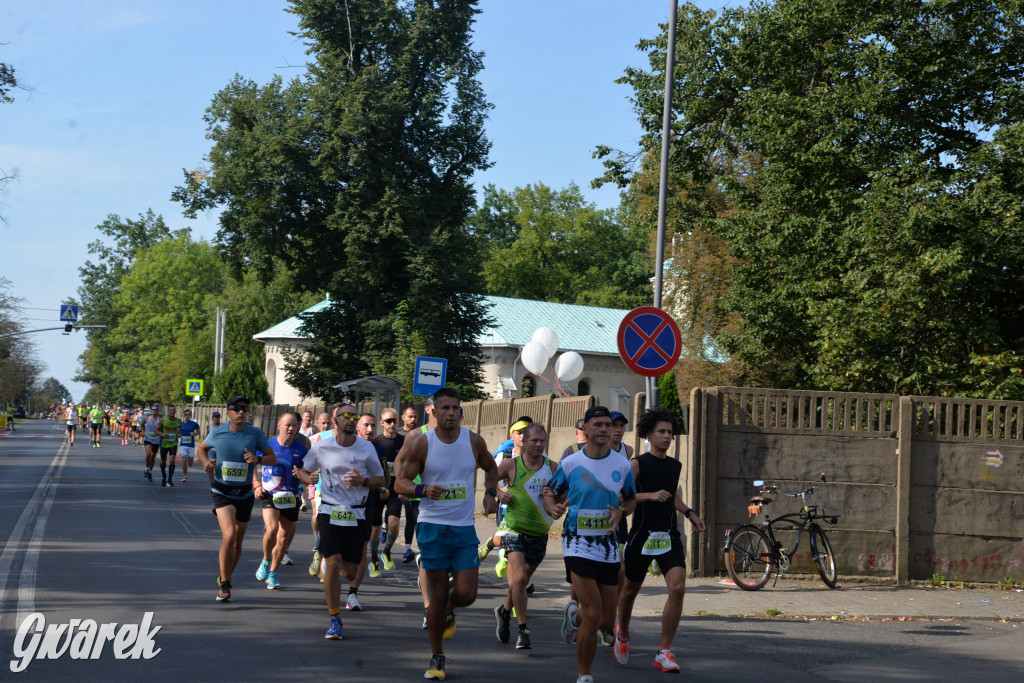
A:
(553, 245)
(360, 172)
(871, 156)
(101, 281)
(8, 81)
(19, 364)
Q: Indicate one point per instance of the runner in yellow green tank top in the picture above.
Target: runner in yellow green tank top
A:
(95, 425)
(168, 430)
(524, 531)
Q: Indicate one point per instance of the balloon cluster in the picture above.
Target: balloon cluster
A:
(538, 352)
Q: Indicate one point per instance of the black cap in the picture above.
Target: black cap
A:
(596, 411)
(236, 399)
(616, 415)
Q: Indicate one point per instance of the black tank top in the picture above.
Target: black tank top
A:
(656, 474)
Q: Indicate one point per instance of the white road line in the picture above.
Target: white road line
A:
(46, 488)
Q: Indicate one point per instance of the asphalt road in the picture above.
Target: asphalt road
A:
(86, 538)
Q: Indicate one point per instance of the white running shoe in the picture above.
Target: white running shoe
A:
(353, 603)
(286, 559)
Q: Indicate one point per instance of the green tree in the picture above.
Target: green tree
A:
(360, 172)
(51, 391)
(164, 323)
(100, 283)
(19, 364)
(553, 245)
(870, 156)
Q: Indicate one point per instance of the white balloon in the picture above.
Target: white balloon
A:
(569, 366)
(547, 337)
(535, 357)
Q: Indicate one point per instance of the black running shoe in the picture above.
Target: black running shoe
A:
(502, 617)
(224, 591)
(523, 643)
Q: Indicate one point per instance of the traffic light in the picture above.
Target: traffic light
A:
(68, 328)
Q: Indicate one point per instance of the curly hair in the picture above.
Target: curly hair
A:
(650, 419)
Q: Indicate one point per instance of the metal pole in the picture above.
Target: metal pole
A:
(653, 396)
(223, 334)
(216, 341)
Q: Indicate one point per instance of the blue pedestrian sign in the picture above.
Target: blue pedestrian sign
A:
(193, 387)
(430, 375)
(68, 313)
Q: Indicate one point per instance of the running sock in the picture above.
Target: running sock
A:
(353, 591)
(375, 548)
(335, 612)
(389, 542)
(170, 470)
(522, 628)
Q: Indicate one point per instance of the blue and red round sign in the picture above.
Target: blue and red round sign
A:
(649, 341)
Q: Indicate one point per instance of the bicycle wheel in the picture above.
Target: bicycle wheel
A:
(824, 560)
(747, 556)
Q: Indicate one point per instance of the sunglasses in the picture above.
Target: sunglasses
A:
(239, 409)
(346, 415)
(390, 420)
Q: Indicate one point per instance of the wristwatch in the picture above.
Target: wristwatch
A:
(492, 492)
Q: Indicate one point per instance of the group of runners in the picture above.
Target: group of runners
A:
(362, 482)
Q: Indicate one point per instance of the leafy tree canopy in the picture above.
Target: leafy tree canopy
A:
(359, 172)
(553, 245)
(870, 156)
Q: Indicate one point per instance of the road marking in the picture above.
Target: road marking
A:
(47, 488)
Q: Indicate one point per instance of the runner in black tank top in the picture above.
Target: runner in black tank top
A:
(655, 537)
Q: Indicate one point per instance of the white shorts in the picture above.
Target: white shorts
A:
(187, 451)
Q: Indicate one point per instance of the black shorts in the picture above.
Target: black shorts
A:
(637, 563)
(71, 428)
(149, 445)
(291, 514)
(394, 505)
(243, 508)
(94, 427)
(374, 509)
(605, 573)
(533, 548)
(347, 541)
(168, 450)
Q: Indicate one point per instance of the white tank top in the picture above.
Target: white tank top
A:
(452, 466)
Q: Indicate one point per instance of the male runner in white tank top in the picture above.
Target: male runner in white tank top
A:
(446, 459)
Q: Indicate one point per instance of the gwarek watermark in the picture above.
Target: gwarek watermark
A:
(82, 639)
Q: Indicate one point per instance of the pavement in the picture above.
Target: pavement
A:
(798, 597)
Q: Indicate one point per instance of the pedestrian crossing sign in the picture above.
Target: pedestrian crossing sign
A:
(193, 387)
(68, 313)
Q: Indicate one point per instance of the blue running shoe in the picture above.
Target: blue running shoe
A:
(272, 582)
(261, 573)
(334, 630)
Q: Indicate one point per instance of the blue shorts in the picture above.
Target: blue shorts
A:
(443, 547)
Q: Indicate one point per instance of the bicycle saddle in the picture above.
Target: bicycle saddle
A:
(760, 500)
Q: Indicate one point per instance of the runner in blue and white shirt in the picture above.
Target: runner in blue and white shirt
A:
(594, 488)
(187, 446)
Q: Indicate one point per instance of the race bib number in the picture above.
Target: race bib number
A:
(234, 472)
(391, 469)
(454, 492)
(343, 515)
(657, 543)
(593, 522)
(186, 441)
(284, 500)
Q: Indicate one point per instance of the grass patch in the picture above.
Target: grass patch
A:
(772, 612)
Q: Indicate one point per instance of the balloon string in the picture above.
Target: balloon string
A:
(559, 386)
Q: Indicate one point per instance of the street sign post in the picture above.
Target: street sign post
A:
(429, 376)
(649, 341)
(193, 387)
(68, 313)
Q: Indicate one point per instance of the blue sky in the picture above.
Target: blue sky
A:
(120, 87)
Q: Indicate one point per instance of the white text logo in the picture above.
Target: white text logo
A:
(81, 639)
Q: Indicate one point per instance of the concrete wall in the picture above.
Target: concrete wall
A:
(913, 478)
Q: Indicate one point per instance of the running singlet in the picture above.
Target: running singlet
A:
(525, 514)
(592, 486)
(279, 478)
(170, 429)
(150, 427)
(335, 461)
(657, 474)
(96, 416)
(451, 466)
(188, 433)
(232, 475)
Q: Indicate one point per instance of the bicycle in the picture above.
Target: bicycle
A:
(752, 552)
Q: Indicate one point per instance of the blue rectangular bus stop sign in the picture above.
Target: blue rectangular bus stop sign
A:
(430, 375)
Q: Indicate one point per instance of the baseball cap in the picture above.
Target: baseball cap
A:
(522, 424)
(616, 415)
(216, 413)
(235, 399)
(596, 411)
